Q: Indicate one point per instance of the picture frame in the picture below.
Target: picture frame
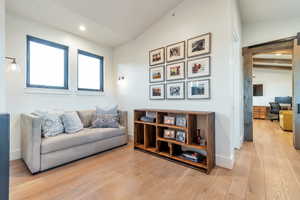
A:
(199, 45)
(157, 74)
(175, 91)
(198, 89)
(199, 67)
(157, 56)
(157, 92)
(169, 134)
(175, 52)
(181, 120)
(180, 136)
(175, 71)
(169, 120)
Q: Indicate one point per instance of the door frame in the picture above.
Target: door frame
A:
(248, 53)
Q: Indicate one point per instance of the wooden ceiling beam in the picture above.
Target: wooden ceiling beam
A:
(274, 67)
(272, 60)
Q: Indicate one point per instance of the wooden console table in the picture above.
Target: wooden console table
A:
(149, 136)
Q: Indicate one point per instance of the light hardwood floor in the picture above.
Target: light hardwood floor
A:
(269, 168)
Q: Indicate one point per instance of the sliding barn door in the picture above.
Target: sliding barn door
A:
(248, 95)
(296, 91)
(4, 157)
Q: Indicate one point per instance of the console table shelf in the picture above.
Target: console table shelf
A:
(148, 136)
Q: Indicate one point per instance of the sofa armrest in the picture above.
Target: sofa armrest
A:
(31, 130)
(124, 120)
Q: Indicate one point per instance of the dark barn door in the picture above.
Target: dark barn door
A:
(4, 156)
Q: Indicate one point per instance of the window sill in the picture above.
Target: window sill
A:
(44, 91)
(89, 93)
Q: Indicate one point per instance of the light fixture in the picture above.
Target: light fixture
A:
(82, 28)
(13, 66)
(278, 54)
(121, 80)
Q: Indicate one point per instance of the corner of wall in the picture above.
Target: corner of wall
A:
(225, 162)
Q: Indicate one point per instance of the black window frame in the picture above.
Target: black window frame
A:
(101, 58)
(29, 39)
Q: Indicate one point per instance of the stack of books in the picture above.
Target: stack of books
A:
(192, 156)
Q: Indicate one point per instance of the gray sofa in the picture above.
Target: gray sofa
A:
(41, 153)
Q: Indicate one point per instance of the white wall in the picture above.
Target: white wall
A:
(22, 100)
(192, 18)
(276, 83)
(2, 55)
(264, 31)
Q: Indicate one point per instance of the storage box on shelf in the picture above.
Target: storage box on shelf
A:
(150, 136)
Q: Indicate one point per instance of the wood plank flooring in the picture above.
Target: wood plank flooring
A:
(269, 168)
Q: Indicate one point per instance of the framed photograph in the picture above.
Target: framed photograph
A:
(157, 56)
(199, 45)
(169, 120)
(198, 68)
(175, 71)
(175, 90)
(180, 136)
(199, 89)
(157, 92)
(175, 51)
(169, 134)
(157, 74)
(181, 120)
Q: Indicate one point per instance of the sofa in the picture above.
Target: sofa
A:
(41, 153)
(286, 120)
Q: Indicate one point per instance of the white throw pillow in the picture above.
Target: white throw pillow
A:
(72, 122)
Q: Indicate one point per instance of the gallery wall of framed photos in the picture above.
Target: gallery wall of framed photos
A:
(181, 70)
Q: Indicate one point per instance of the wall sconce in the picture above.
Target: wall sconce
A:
(121, 79)
(14, 66)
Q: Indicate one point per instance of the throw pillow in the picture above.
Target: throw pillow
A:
(72, 122)
(51, 125)
(106, 121)
(111, 111)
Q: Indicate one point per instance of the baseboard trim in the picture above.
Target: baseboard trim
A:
(225, 162)
(15, 155)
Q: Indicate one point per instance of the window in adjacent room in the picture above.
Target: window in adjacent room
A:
(258, 90)
(90, 71)
(47, 64)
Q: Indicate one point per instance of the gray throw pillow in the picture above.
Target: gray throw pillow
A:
(72, 122)
(106, 121)
(111, 111)
(51, 125)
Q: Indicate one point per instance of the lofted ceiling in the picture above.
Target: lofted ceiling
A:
(263, 10)
(109, 22)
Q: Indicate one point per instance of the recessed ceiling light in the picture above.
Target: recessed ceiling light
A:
(82, 28)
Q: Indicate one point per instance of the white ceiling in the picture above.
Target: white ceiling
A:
(109, 22)
(264, 10)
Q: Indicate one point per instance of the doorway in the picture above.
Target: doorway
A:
(292, 45)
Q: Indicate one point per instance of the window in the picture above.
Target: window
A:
(90, 71)
(47, 64)
(258, 90)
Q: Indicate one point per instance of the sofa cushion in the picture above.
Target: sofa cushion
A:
(86, 117)
(64, 141)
